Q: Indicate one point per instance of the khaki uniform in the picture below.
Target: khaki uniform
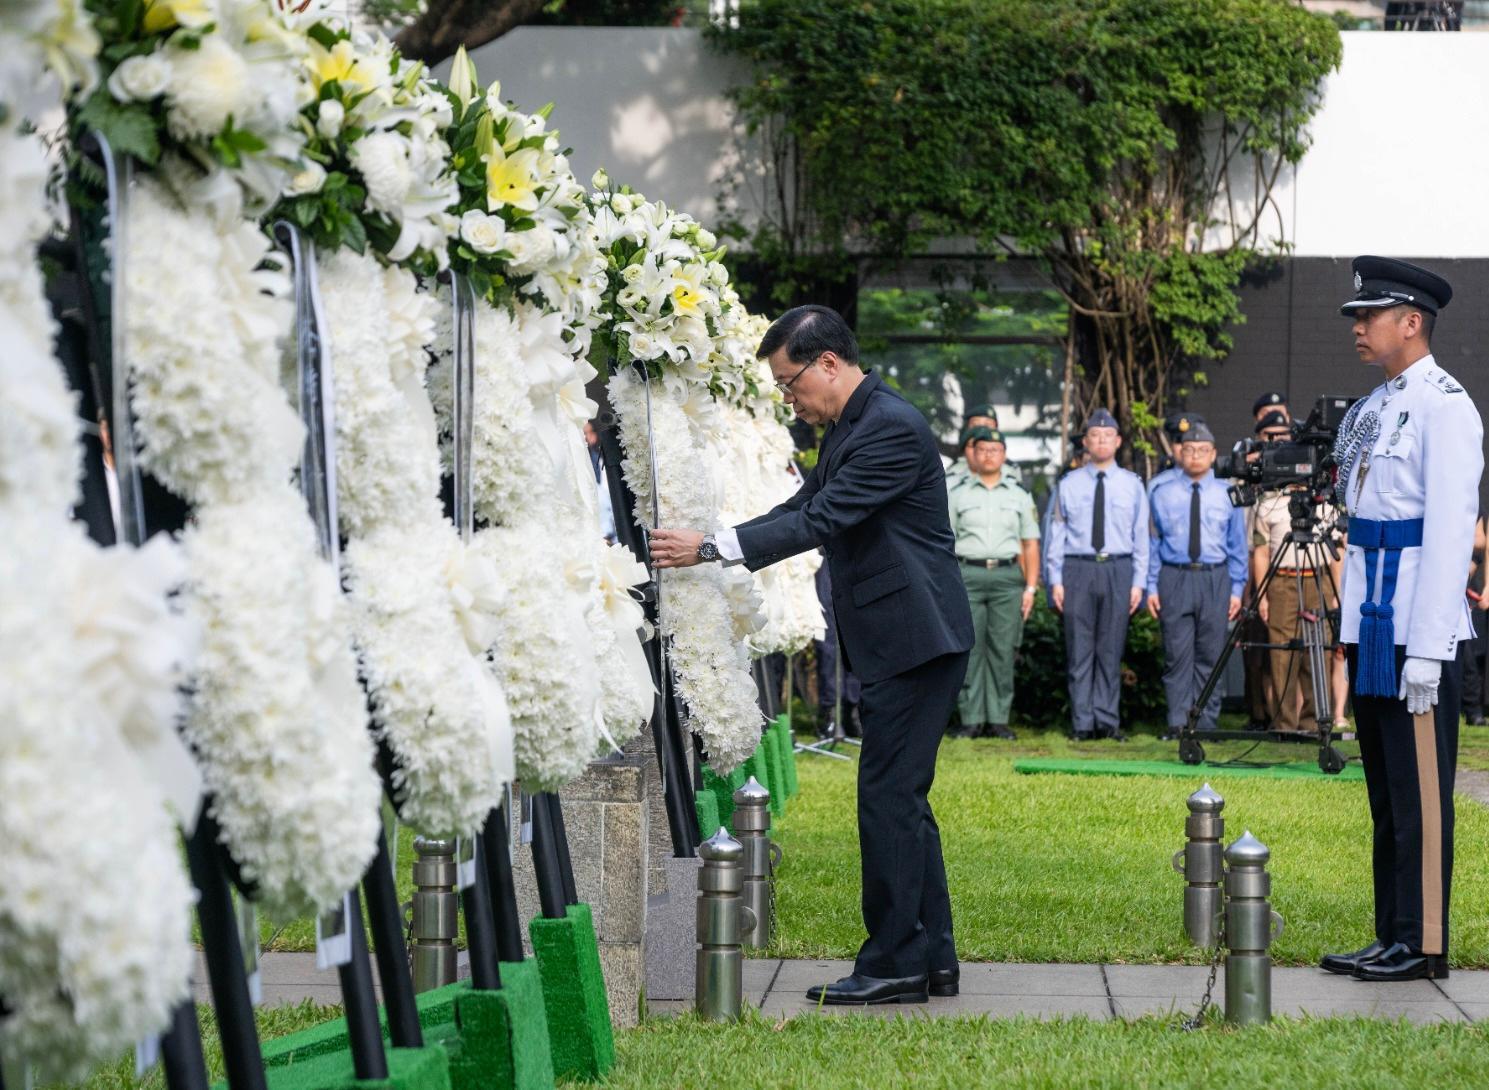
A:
(1293, 589)
(991, 524)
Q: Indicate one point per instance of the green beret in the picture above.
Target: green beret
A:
(981, 433)
(980, 410)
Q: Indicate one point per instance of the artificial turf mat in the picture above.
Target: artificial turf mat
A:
(1075, 766)
(581, 1041)
(706, 807)
(424, 1068)
(787, 742)
(503, 1035)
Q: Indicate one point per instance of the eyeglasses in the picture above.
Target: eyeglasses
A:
(785, 387)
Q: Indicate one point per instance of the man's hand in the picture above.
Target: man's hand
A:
(675, 548)
(1261, 607)
(1057, 598)
(1028, 602)
(1235, 608)
(1134, 600)
(1419, 680)
(1154, 605)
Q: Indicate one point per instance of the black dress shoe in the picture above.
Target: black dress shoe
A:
(1000, 730)
(1116, 734)
(859, 990)
(1401, 962)
(1344, 964)
(1475, 720)
(945, 982)
(1082, 736)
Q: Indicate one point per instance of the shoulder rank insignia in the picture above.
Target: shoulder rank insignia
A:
(1446, 384)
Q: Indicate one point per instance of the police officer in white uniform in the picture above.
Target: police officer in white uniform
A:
(1410, 458)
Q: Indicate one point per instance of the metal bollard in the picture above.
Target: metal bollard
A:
(752, 823)
(1250, 928)
(1199, 861)
(436, 911)
(718, 986)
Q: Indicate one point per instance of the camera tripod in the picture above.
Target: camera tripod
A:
(1317, 636)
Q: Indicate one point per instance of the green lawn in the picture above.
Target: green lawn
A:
(1077, 868)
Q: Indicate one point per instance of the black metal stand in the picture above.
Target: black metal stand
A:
(546, 866)
(235, 1026)
(181, 1051)
(561, 845)
(480, 937)
(392, 955)
(363, 1035)
(666, 725)
(503, 888)
(1314, 639)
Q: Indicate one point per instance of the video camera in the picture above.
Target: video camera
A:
(1305, 458)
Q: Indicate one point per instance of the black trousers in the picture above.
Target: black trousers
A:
(906, 905)
(1410, 762)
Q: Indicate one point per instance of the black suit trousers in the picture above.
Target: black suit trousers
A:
(906, 905)
(1410, 762)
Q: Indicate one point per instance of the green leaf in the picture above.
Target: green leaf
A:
(130, 128)
(353, 234)
(324, 36)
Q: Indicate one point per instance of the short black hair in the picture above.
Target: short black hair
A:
(1429, 322)
(807, 332)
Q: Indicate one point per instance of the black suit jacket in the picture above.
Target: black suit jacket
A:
(876, 503)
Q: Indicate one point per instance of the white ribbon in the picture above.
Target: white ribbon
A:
(476, 595)
(619, 571)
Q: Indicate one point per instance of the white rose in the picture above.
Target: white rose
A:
(382, 160)
(643, 346)
(485, 234)
(620, 204)
(208, 85)
(329, 118)
(308, 180)
(139, 79)
(538, 252)
(632, 273)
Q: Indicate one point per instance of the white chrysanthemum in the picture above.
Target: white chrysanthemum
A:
(543, 638)
(277, 717)
(712, 666)
(441, 713)
(212, 418)
(209, 83)
(385, 468)
(383, 160)
(424, 608)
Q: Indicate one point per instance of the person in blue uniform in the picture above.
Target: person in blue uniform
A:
(1410, 457)
(1196, 573)
(1098, 563)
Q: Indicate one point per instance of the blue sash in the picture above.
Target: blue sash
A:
(1375, 674)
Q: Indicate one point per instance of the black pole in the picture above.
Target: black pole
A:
(561, 844)
(392, 956)
(503, 889)
(235, 1026)
(545, 863)
(480, 937)
(363, 1034)
(666, 731)
(181, 1051)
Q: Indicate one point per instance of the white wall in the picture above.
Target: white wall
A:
(646, 104)
(1400, 155)
(1399, 162)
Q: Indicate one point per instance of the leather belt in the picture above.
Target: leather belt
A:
(1294, 571)
(1195, 565)
(1099, 558)
(989, 562)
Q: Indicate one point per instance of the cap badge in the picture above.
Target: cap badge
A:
(1359, 282)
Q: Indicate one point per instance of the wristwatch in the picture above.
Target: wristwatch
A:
(707, 548)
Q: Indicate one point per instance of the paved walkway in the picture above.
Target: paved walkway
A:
(1002, 990)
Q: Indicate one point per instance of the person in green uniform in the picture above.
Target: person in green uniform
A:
(978, 416)
(997, 543)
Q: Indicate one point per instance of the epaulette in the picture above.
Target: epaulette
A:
(1444, 382)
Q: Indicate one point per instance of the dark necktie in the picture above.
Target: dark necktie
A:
(1098, 515)
(1194, 547)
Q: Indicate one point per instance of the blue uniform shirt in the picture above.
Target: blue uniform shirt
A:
(1222, 534)
(1126, 525)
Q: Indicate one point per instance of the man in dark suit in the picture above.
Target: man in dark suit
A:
(876, 504)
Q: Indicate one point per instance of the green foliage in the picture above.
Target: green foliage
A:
(1131, 144)
(606, 13)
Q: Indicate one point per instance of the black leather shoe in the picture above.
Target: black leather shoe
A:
(1401, 962)
(1116, 734)
(945, 982)
(1000, 730)
(1344, 964)
(859, 990)
(1082, 736)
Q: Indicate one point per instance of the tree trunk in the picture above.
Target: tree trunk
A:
(448, 24)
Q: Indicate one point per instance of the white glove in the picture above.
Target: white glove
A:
(1419, 678)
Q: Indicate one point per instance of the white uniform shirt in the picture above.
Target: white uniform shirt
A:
(1425, 464)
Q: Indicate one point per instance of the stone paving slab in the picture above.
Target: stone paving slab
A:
(1001, 990)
